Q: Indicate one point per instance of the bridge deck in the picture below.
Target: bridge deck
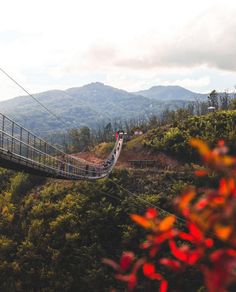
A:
(22, 150)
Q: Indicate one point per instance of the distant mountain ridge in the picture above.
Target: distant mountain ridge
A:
(170, 92)
(92, 104)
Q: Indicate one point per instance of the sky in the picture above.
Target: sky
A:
(128, 44)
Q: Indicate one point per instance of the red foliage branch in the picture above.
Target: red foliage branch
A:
(210, 216)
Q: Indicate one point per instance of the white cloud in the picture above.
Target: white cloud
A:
(131, 43)
(208, 40)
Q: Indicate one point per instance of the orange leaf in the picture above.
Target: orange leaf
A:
(222, 231)
(166, 223)
(227, 160)
(223, 188)
(231, 184)
(201, 146)
(141, 221)
(185, 199)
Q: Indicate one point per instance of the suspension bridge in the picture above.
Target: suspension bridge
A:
(23, 151)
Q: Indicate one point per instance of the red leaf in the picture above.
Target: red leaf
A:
(195, 231)
(153, 251)
(186, 236)
(177, 252)
(130, 279)
(221, 274)
(126, 260)
(132, 282)
(145, 244)
(221, 143)
(221, 253)
(231, 252)
(151, 213)
(202, 203)
(216, 255)
(112, 264)
(163, 286)
(209, 242)
(231, 185)
(193, 257)
(173, 264)
(218, 200)
(157, 276)
(201, 172)
(148, 269)
(223, 188)
(165, 236)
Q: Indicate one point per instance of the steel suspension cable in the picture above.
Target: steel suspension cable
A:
(147, 202)
(33, 97)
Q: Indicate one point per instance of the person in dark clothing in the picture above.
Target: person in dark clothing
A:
(94, 172)
(86, 169)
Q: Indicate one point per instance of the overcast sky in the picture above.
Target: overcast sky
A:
(129, 44)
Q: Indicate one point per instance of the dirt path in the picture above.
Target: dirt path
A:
(164, 162)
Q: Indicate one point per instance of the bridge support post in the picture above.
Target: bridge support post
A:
(20, 141)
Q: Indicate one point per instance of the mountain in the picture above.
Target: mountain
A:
(170, 93)
(91, 105)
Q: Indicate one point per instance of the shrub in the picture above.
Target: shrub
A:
(206, 242)
(20, 184)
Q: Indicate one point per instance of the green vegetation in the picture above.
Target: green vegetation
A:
(103, 149)
(173, 138)
(54, 234)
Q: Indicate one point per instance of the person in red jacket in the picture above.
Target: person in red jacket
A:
(117, 135)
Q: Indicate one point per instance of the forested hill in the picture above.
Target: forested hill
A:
(92, 104)
(54, 234)
(170, 93)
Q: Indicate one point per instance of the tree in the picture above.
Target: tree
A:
(84, 139)
(80, 139)
(213, 99)
(224, 101)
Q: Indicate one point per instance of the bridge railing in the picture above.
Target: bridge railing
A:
(21, 144)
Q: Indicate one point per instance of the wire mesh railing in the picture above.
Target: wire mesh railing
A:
(20, 146)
